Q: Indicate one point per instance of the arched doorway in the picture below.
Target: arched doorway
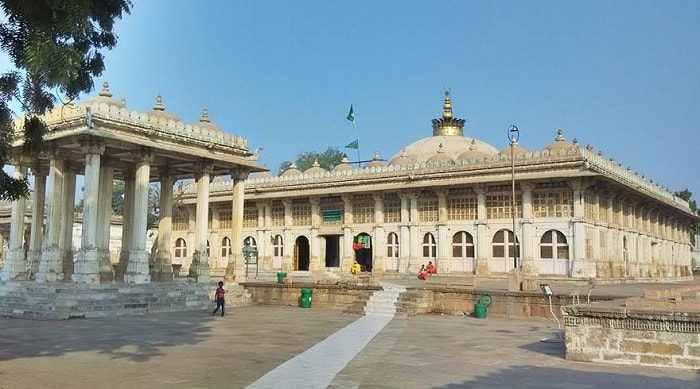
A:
(362, 244)
(301, 253)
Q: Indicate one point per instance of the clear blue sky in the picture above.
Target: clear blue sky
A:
(622, 76)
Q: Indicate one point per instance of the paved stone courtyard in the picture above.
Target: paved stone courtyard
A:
(196, 350)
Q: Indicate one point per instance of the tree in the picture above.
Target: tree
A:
(687, 195)
(54, 45)
(327, 159)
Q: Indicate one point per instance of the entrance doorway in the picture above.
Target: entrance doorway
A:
(301, 253)
(332, 250)
(362, 244)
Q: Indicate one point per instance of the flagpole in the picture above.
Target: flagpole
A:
(358, 143)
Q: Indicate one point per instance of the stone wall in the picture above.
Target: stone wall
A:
(613, 333)
(334, 296)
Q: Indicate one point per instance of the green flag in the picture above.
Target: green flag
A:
(353, 145)
(351, 115)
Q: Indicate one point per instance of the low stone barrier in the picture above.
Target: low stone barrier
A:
(646, 333)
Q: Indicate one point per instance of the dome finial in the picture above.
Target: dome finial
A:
(159, 103)
(560, 136)
(105, 90)
(205, 116)
(447, 106)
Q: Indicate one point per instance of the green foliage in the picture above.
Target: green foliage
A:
(687, 195)
(54, 45)
(327, 159)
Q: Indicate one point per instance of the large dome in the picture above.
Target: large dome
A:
(447, 143)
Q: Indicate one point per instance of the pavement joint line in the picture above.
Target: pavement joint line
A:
(317, 366)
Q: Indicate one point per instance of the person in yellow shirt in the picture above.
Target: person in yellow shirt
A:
(355, 268)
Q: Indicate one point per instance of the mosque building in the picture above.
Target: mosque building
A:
(447, 199)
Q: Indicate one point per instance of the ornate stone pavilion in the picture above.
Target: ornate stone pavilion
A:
(447, 199)
(104, 141)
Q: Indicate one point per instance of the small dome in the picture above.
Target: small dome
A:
(264, 174)
(160, 112)
(206, 123)
(452, 146)
(343, 165)
(440, 156)
(376, 161)
(559, 143)
(291, 171)
(315, 168)
(218, 179)
(473, 153)
(517, 150)
(105, 97)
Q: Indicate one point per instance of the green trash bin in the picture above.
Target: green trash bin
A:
(305, 301)
(280, 277)
(480, 311)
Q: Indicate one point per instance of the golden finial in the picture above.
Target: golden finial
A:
(447, 106)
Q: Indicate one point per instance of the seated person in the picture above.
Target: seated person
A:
(355, 268)
(431, 268)
(422, 273)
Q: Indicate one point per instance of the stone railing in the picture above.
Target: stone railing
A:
(653, 331)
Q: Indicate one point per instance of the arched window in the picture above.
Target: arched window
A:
(277, 246)
(429, 246)
(210, 218)
(208, 251)
(462, 245)
(392, 245)
(180, 248)
(249, 240)
(553, 245)
(501, 240)
(225, 247)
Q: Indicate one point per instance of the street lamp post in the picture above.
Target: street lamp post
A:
(513, 135)
(250, 256)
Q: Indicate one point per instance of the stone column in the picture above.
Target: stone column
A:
(104, 223)
(51, 263)
(288, 261)
(127, 226)
(529, 266)
(163, 269)
(137, 271)
(236, 263)
(265, 251)
(379, 238)
(314, 240)
(404, 235)
(414, 248)
(579, 267)
(482, 240)
(444, 244)
(15, 266)
(65, 241)
(348, 255)
(37, 232)
(86, 266)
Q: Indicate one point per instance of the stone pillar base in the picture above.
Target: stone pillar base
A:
(105, 265)
(137, 269)
(199, 269)
(120, 269)
(50, 265)
(86, 267)
(15, 267)
(515, 279)
(529, 268)
(33, 259)
(162, 272)
(578, 268)
(482, 267)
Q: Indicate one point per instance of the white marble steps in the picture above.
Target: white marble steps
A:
(382, 303)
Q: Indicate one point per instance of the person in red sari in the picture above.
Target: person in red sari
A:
(431, 268)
